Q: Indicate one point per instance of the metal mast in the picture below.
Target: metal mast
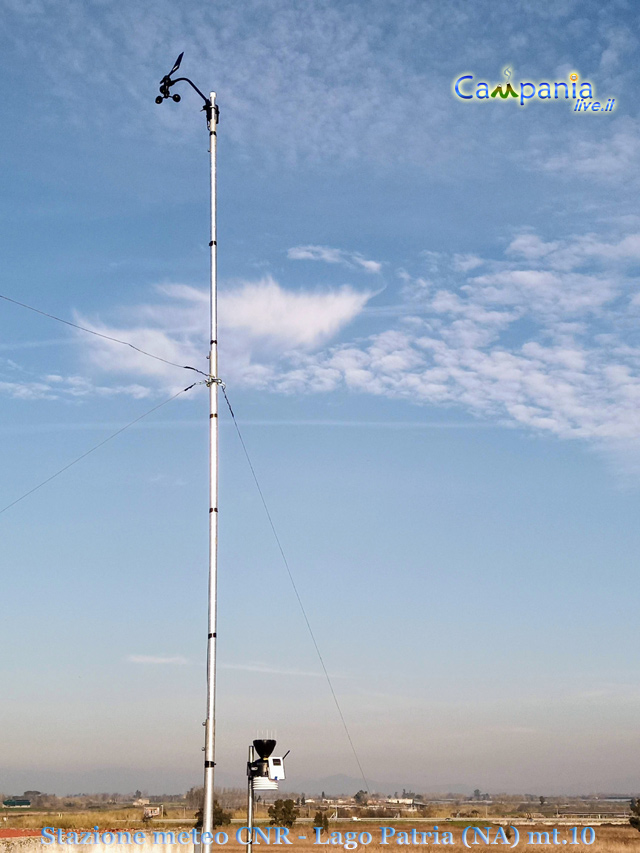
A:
(213, 382)
(211, 110)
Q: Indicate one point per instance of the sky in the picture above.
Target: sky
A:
(429, 310)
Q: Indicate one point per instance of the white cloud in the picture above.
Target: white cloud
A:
(572, 393)
(67, 388)
(264, 310)
(333, 256)
(570, 372)
(543, 291)
(574, 252)
(538, 339)
(464, 263)
(258, 321)
(317, 83)
(530, 246)
(620, 43)
(325, 83)
(611, 156)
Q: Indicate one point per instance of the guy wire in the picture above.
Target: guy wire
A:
(246, 453)
(94, 448)
(295, 589)
(100, 335)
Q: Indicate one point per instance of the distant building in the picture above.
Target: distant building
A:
(16, 803)
(152, 811)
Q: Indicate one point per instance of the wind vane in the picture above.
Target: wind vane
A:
(165, 91)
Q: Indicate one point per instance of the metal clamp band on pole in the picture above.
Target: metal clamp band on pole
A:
(214, 380)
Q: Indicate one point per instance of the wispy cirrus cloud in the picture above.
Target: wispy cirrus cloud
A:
(259, 321)
(576, 252)
(19, 385)
(263, 310)
(540, 337)
(333, 256)
(269, 64)
(612, 156)
(335, 83)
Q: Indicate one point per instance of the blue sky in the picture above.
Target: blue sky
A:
(428, 329)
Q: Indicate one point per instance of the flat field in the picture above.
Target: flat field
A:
(606, 839)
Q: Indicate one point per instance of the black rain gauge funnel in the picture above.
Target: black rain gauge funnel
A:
(264, 747)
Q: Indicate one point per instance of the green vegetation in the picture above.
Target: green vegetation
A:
(219, 817)
(321, 820)
(283, 813)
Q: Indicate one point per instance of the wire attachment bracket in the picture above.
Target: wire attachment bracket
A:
(214, 380)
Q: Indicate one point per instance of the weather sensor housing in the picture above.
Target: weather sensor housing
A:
(265, 772)
(276, 769)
